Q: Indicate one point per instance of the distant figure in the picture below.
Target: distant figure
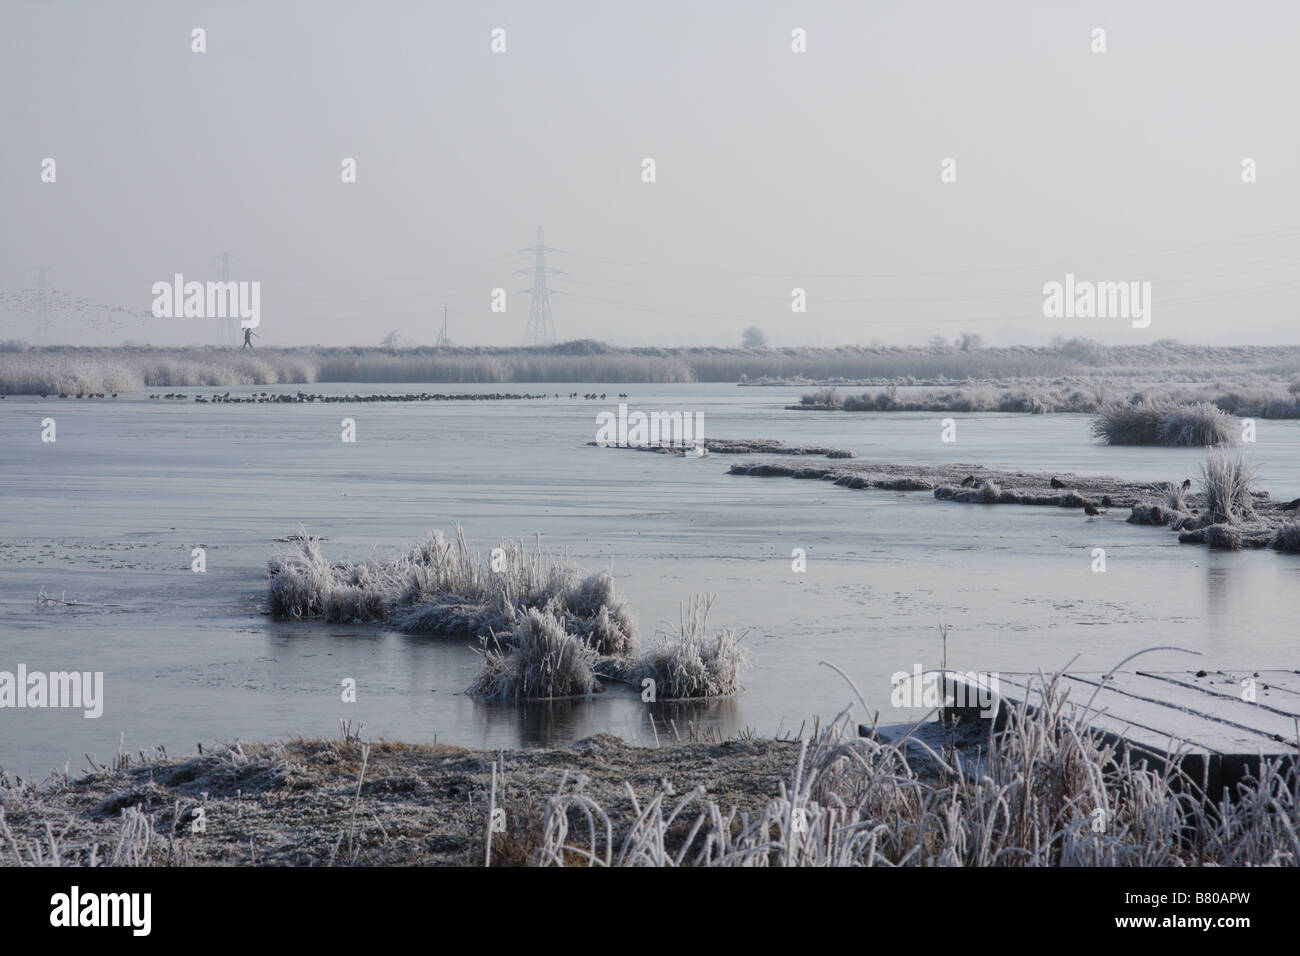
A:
(969, 481)
(248, 339)
(1090, 509)
(1187, 484)
(1057, 483)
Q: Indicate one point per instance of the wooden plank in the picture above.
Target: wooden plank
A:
(1285, 681)
(1213, 723)
(1271, 691)
(1200, 724)
(1145, 745)
(1139, 729)
(1215, 703)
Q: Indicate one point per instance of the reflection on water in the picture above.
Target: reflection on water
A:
(110, 514)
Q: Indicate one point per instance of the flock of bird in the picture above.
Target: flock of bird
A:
(64, 307)
(287, 399)
(284, 398)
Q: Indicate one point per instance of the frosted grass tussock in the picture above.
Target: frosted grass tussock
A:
(1175, 497)
(1033, 797)
(690, 664)
(444, 587)
(539, 661)
(1287, 539)
(1225, 481)
(1198, 425)
(1165, 423)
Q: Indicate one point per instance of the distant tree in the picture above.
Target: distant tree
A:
(938, 342)
(970, 340)
(753, 338)
(392, 341)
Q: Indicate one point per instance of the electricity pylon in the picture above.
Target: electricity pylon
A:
(540, 329)
(230, 324)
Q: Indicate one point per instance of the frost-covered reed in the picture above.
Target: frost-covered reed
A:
(1044, 791)
(1158, 403)
(539, 661)
(544, 629)
(442, 586)
(690, 663)
(1165, 423)
(1226, 478)
(54, 369)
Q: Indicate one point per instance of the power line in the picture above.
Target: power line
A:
(931, 274)
(43, 314)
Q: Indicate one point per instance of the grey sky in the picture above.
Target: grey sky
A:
(774, 169)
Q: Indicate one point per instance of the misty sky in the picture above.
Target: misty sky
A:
(775, 169)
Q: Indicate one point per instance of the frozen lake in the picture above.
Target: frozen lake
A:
(108, 516)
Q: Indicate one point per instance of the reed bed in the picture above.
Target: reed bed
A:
(543, 628)
(34, 370)
(1043, 791)
(1089, 397)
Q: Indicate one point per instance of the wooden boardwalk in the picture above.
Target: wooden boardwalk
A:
(1203, 720)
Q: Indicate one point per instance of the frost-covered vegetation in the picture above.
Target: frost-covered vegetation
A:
(544, 628)
(1026, 792)
(1226, 478)
(1227, 514)
(1260, 398)
(36, 370)
(1165, 423)
(540, 660)
(1030, 796)
(691, 663)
